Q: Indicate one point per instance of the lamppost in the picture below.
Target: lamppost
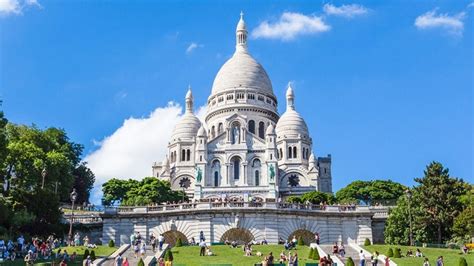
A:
(409, 195)
(43, 174)
(73, 197)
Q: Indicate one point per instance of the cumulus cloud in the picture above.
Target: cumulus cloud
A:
(16, 7)
(432, 20)
(192, 46)
(132, 148)
(289, 26)
(348, 11)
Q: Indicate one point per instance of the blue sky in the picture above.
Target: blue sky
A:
(384, 86)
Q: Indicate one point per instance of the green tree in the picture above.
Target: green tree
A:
(168, 255)
(369, 192)
(367, 242)
(84, 180)
(390, 252)
(311, 253)
(179, 242)
(349, 262)
(463, 226)
(440, 197)
(397, 253)
(462, 261)
(316, 197)
(86, 254)
(140, 262)
(300, 241)
(316, 254)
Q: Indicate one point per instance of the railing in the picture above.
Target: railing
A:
(82, 218)
(382, 211)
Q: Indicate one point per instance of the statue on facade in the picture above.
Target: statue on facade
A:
(272, 172)
(235, 135)
(198, 175)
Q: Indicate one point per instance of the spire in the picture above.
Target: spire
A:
(241, 34)
(189, 100)
(290, 98)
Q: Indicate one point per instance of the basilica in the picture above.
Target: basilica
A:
(243, 149)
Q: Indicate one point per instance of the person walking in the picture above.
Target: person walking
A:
(202, 246)
(295, 259)
(440, 261)
(118, 260)
(362, 258)
(161, 240)
(125, 262)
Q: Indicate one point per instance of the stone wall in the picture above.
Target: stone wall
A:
(269, 224)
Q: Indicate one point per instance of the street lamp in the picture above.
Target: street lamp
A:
(409, 195)
(43, 174)
(73, 197)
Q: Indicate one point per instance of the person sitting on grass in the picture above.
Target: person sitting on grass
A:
(234, 244)
(264, 242)
(418, 253)
(29, 258)
(426, 262)
(465, 249)
(209, 251)
(227, 242)
(73, 256)
(409, 253)
(282, 257)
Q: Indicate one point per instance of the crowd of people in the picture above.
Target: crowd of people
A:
(41, 249)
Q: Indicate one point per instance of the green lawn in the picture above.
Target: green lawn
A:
(451, 256)
(100, 251)
(189, 255)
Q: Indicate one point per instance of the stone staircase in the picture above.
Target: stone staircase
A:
(130, 254)
(350, 252)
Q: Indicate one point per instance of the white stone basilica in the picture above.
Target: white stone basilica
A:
(244, 148)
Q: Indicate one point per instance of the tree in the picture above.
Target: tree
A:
(86, 254)
(93, 255)
(316, 254)
(168, 255)
(132, 192)
(349, 262)
(311, 253)
(463, 226)
(140, 262)
(84, 180)
(179, 242)
(440, 197)
(367, 242)
(300, 241)
(370, 192)
(316, 197)
(111, 243)
(390, 252)
(397, 253)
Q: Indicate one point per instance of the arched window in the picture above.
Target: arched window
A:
(261, 130)
(289, 153)
(256, 163)
(295, 154)
(303, 153)
(188, 155)
(175, 156)
(281, 154)
(257, 178)
(236, 166)
(252, 126)
(213, 132)
(216, 178)
(183, 155)
(220, 128)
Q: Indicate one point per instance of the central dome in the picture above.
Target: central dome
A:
(242, 71)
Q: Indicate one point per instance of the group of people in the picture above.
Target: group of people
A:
(339, 249)
(292, 259)
(291, 244)
(35, 249)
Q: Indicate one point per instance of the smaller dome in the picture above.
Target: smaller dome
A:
(202, 132)
(187, 127)
(312, 158)
(241, 25)
(291, 123)
(270, 130)
(165, 162)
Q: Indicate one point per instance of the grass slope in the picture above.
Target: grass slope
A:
(450, 256)
(189, 255)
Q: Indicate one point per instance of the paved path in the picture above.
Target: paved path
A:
(350, 252)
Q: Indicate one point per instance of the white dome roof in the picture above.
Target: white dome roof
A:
(270, 130)
(291, 123)
(202, 132)
(187, 127)
(242, 70)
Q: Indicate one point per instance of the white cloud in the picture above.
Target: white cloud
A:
(15, 7)
(348, 11)
(289, 26)
(192, 46)
(432, 20)
(470, 5)
(130, 151)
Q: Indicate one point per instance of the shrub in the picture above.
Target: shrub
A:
(141, 263)
(349, 262)
(92, 255)
(397, 254)
(311, 254)
(179, 243)
(462, 261)
(86, 253)
(300, 241)
(390, 253)
(367, 242)
(168, 255)
(111, 243)
(316, 254)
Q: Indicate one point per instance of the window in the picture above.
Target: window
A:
(183, 155)
(289, 152)
(261, 98)
(220, 128)
(200, 158)
(281, 154)
(295, 153)
(303, 153)
(261, 130)
(220, 99)
(236, 166)
(216, 178)
(252, 126)
(188, 153)
(230, 96)
(213, 131)
(251, 96)
(257, 178)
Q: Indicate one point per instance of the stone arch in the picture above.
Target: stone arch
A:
(240, 235)
(172, 236)
(306, 235)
